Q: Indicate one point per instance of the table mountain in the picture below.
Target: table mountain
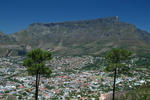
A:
(87, 37)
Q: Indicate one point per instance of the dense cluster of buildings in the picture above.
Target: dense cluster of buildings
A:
(67, 82)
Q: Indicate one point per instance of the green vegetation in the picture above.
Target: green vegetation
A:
(141, 93)
(115, 58)
(35, 64)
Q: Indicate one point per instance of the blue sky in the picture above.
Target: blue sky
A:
(16, 15)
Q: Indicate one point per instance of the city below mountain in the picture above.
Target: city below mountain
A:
(87, 37)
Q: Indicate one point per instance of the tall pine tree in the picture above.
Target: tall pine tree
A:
(35, 64)
(116, 58)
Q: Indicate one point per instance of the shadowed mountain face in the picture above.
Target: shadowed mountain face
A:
(88, 37)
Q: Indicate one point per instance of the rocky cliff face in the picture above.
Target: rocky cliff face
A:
(88, 37)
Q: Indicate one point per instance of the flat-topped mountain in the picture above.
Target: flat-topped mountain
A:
(87, 37)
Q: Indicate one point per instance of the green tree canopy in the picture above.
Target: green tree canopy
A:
(115, 59)
(35, 64)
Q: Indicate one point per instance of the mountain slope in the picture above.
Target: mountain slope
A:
(88, 37)
(141, 93)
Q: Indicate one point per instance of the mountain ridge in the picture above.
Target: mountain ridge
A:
(86, 37)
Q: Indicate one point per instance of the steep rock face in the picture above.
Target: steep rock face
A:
(91, 37)
(8, 45)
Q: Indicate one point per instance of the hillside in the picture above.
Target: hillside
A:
(88, 37)
(141, 93)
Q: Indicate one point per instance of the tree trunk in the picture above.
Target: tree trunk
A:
(114, 85)
(37, 85)
(39, 79)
